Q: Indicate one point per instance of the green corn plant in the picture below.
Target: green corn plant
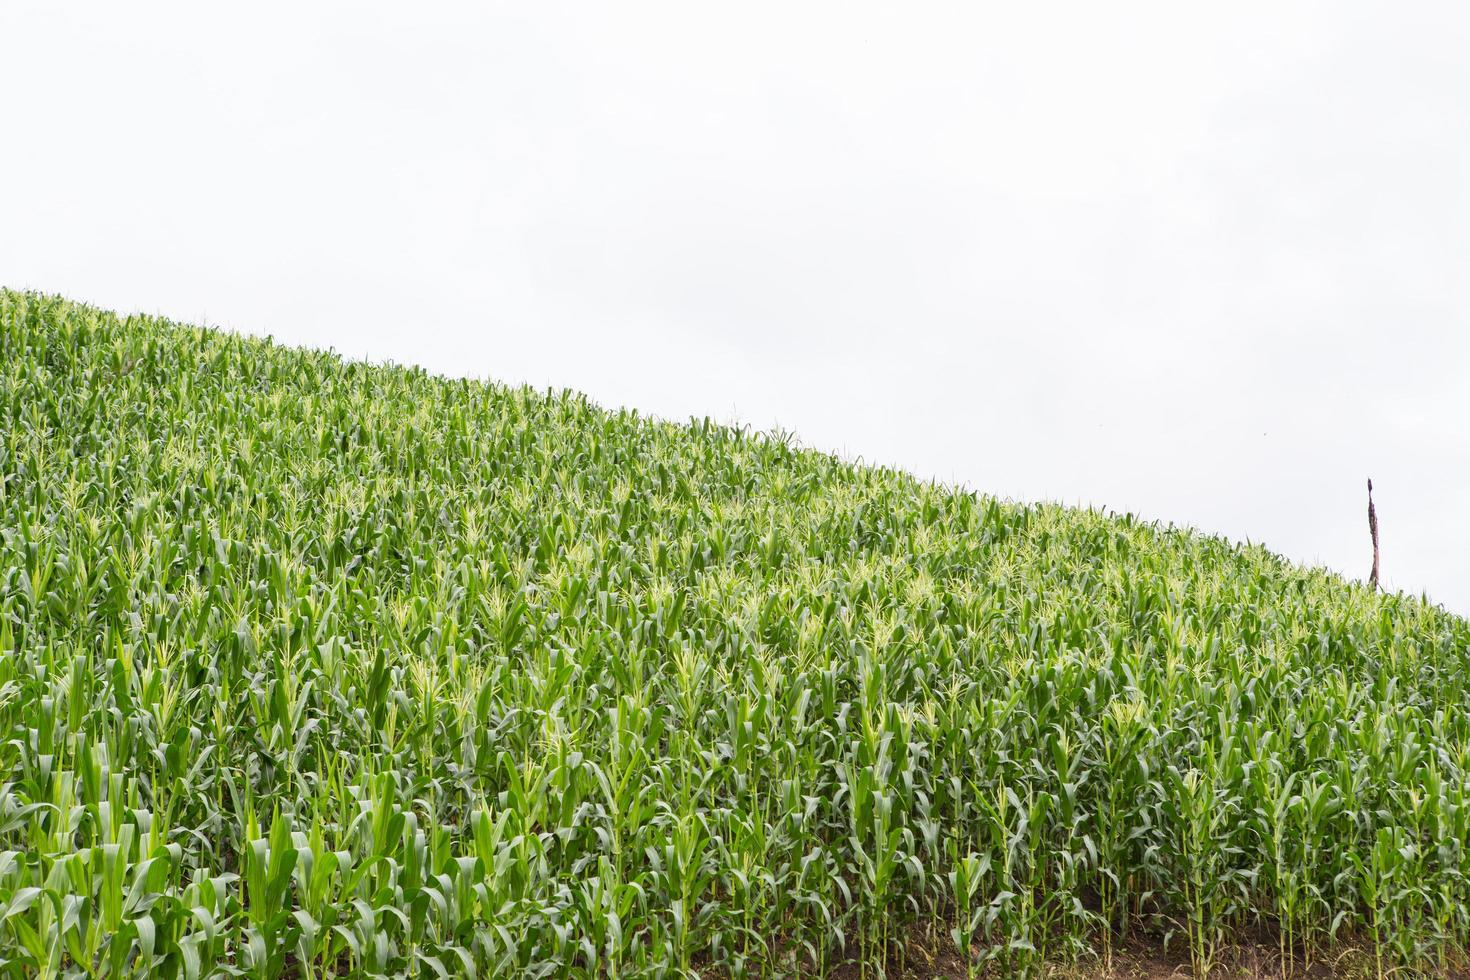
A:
(965, 882)
(311, 667)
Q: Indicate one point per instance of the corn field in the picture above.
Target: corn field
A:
(315, 668)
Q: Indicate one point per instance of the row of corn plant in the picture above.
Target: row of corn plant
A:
(323, 669)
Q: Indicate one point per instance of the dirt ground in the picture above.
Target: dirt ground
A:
(1149, 960)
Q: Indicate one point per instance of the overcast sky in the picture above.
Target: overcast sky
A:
(1210, 266)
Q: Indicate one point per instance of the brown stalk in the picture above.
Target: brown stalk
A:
(1373, 530)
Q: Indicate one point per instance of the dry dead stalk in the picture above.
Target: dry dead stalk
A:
(1373, 530)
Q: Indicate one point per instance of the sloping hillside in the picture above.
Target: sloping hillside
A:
(315, 668)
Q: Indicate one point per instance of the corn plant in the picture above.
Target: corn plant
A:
(317, 668)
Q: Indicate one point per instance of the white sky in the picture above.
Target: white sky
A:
(1211, 266)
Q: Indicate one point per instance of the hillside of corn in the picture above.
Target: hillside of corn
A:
(315, 668)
